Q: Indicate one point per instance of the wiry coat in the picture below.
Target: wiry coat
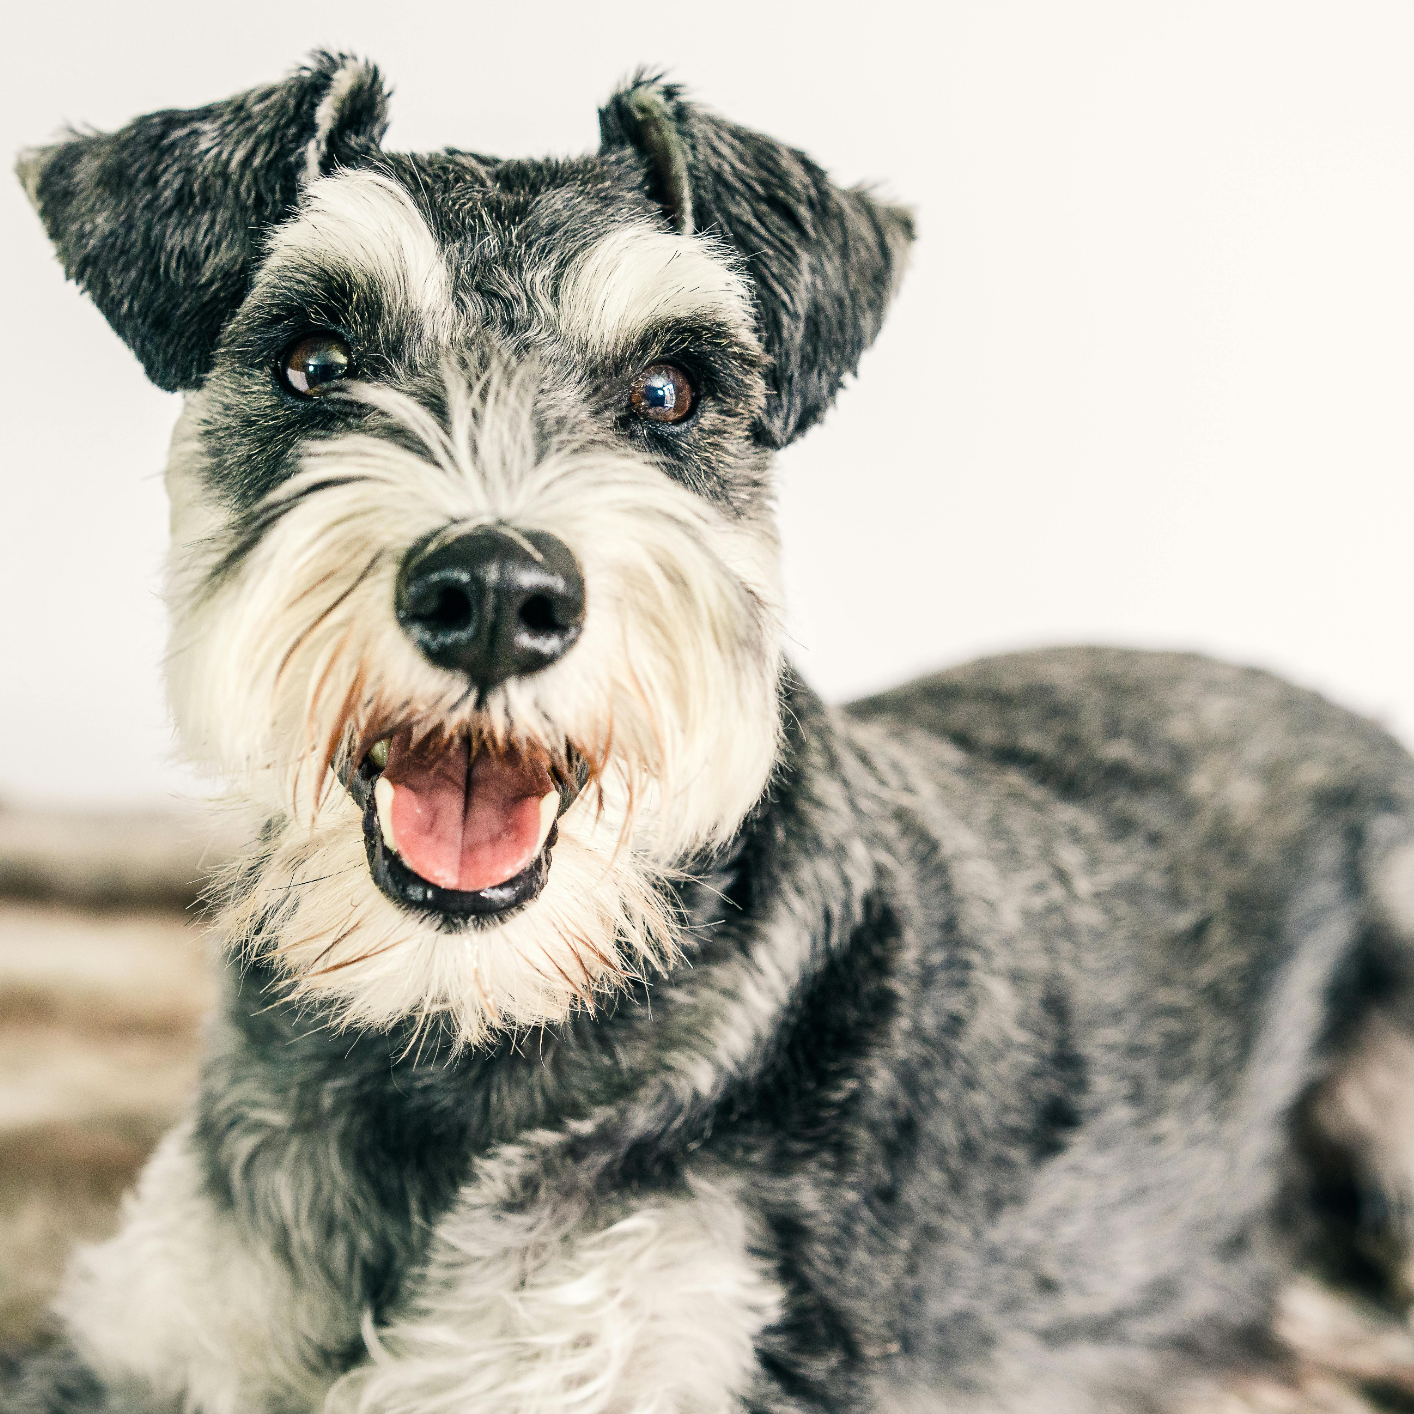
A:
(986, 1061)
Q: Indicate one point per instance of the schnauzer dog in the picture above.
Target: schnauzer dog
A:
(609, 1025)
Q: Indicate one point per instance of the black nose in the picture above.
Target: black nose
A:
(495, 603)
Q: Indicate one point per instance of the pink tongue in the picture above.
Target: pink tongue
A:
(464, 823)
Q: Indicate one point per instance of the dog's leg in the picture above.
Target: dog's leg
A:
(1362, 1126)
(1359, 1123)
(178, 1311)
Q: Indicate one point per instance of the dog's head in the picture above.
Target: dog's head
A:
(474, 581)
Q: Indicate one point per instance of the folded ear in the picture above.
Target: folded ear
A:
(824, 262)
(161, 221)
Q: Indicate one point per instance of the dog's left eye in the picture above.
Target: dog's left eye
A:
(311, 366)
(661, 393)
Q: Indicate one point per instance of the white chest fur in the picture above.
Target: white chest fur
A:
(542, 1309)
(542, 1306)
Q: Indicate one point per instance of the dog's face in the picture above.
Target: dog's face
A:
(474, 581)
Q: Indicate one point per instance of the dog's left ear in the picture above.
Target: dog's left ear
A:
(823, 262)
(161, 222)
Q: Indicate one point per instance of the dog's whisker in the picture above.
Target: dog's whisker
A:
(575, 988)
(319, 621)
(341, 937)
(351, 961)
(306, 883)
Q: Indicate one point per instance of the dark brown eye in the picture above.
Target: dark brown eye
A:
(312, 365)
(661, 394)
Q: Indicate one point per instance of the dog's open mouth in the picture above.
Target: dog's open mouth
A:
(457, 829)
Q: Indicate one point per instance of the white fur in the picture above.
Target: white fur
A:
(641, 275)
(536, 1308)
(177, 1301)
(555, 1308)
(366, 222)
(672, 687)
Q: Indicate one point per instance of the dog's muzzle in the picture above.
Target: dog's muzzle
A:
(458, 827)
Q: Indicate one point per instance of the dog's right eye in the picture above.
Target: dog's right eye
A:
(312, 365)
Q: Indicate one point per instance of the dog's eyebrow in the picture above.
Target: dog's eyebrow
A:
(365, 223)
(640, 276)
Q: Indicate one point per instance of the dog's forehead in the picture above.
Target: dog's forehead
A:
(563, 246)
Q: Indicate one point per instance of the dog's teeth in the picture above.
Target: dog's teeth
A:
(549, 808)
(383, 798)
(378, 753)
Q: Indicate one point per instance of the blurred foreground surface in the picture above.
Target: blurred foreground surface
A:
(105, 977)
(104, 980)
(98, 1043)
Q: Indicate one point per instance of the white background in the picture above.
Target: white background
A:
(1149, 381)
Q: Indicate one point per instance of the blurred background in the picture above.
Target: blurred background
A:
(1149, 382)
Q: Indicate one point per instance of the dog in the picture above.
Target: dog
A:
(609, 1025)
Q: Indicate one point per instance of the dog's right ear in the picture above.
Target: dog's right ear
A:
(824, 262)
(161, 222)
